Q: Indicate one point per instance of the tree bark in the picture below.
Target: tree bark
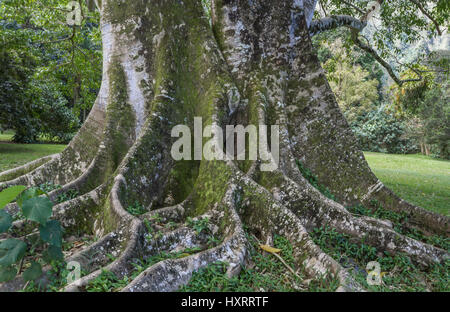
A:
(164, 65)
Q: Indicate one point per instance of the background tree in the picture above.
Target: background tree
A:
(426, 102)
(16, 111)
(379, 37)
(424, 19)
(59, 87)
(355, 92)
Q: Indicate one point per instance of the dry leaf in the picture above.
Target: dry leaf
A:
(269, 249)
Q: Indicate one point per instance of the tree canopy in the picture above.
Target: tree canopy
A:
(51, 71)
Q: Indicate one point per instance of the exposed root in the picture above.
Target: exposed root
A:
(22, 170)
(418, 217)
(264, 215)
(170, 274)
(96, 255)
(121, 266)
(173, 213)
(318, 211)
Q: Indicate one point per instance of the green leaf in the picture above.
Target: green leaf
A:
(37, 209)
(10, 194)
(53, 253)
(7, 273)
(12, 251)
(28, 194)
(5, 221)
(33, 272)
(51, 233)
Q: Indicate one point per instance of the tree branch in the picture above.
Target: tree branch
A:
(389, 69)
(424, 12)
(356, 26)
(323, 8)
(353, 6)
(365, 17)
(335, 21)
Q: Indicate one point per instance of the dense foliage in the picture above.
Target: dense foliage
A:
(49, 71)
(426, 104)
(381, 131)
(17, 254)
(355, 90)
(397, 23)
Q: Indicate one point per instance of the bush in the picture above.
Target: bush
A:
(57, 122)
(381, 131)
(30, 105)
(15, 111)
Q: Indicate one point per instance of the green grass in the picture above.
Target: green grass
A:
(14, 155)
(418, 179)
(137, 209)
(6, 136)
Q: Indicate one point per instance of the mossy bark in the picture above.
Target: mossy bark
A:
(164, 65)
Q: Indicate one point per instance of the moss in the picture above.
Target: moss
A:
(119, 11)
(83, 218)
(217, 29)
(312, 179)
(188, 82)
(181, 179)
(120, 116)
(270, 179)
(210, 186)
(255, 208)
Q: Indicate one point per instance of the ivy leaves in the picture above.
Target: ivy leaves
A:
(51, 233)
(7, 274)
(11, 251)
(7, 196)
(36, 209)
(33, 272)
(5, 221)
(10, 194)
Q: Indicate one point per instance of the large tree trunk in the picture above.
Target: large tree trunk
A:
(163, 66)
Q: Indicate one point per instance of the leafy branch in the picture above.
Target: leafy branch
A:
(36, 207)
(358, 24)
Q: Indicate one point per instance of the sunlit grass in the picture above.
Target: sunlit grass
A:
(418, 179)
(14, 155)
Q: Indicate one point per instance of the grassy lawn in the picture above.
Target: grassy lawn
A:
(420, 180)
(14, 155)
(6, 136)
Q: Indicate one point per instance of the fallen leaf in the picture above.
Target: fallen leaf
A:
(269, 249)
